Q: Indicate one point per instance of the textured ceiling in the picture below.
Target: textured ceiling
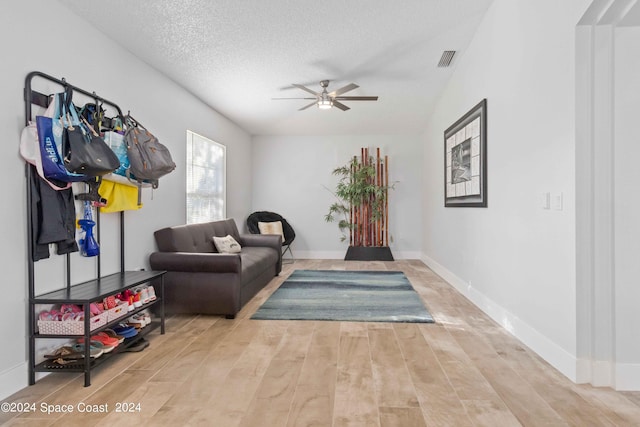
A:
(235, 55)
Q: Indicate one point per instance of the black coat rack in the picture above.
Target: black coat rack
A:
(92, 290)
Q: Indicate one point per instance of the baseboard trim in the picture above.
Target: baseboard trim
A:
(319, 254)
(340, 254)
(627, 377)
(558, 357)
(13, 380)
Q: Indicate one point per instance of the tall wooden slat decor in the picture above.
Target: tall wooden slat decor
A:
(369, 208)
(363, 194)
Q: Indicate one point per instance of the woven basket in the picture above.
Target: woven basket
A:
(117, 312)
(71, 327)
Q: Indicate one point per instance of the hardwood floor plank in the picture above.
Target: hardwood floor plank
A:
(229, 403)
(465, 370)
(464, 376)
(355, 402)
(521, 399)
(438, 400)
(200, 385)
(313, 400)
(489, 413)
(140, 406)
(272, 401)
(613, 405)
(552, 386)
(391, 378)
(401, 417)
(111, 393)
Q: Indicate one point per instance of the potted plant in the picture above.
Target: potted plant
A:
(362, 206)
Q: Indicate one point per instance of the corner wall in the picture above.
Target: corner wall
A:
(292, 176)
(514, 259)
(607, 245)
(627, 208)
(26, 28)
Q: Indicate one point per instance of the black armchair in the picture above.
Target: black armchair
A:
(265, 216)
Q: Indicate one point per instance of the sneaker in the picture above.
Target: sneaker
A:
(136, 301)
(125, 331)
(103, 338)
(136, 321)
(152, 293)
(112, 334)
(144, 295)
(146, 316)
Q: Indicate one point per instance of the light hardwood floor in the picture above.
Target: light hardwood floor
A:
(465, 370)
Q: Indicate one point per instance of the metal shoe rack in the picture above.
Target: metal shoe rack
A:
(84, 293)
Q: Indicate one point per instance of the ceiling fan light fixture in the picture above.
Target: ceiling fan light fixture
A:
(325, 100)
(325, 104)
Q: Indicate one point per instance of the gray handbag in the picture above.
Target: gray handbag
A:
(148, 158)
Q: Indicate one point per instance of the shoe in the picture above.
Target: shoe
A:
(109, 302)
(139, 346)
(125, 331)
(136, 301)
(144, 315)
(144, 295)
(112, 334)
(95, 309)
(137, 321)
(152, 293)
(105, 339)
(65, 353)
(96, 349)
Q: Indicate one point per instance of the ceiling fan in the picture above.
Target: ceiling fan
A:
(325, 100)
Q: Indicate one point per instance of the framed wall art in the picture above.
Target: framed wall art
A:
(465, 157)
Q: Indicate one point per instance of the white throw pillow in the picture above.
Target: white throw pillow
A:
(274, 227)
(226, 245)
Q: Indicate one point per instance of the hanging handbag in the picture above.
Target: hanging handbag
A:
(148, 158)
(82, 148)
(30, 148)
(115, 140)
(49, 140)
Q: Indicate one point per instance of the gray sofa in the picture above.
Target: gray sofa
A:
(201, 280)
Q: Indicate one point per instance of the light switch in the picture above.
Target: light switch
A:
(544, 200)
(557, 201)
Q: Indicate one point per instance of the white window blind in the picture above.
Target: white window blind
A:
(206, 179)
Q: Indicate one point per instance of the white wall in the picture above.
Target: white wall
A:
(514, 259)
(627, 207)
(606, 109)
(291, 175)
(27, 29)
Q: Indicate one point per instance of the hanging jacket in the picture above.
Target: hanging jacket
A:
(53, 219)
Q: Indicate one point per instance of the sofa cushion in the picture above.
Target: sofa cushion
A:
(274, 227)
(255, 260)
(195, 237)
(226, 245)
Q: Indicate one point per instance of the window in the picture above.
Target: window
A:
(206, 179)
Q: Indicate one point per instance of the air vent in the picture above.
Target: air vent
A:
(447, 57)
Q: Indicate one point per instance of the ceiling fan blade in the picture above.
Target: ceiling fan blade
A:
(347, 88)
(291, 98)
(357, 98)
(306, 89)
(340, 105)
(307, 106)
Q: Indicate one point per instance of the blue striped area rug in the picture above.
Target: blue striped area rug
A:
(358, 296)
